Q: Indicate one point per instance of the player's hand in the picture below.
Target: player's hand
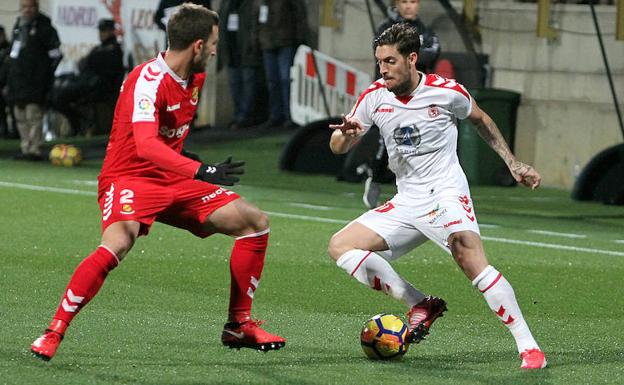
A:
(525, 174)
(222, 173)
(349, 127)
(190, 155)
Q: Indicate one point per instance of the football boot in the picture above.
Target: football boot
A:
(533, 359)
(249, 334)
(421, 316)
(45, 346)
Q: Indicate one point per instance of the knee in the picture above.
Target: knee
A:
(337, 247)
(467, 251)
(261, 221)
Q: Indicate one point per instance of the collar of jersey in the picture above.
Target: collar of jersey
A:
(160, 60)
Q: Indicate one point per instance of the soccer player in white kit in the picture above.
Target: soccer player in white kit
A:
(417, 116)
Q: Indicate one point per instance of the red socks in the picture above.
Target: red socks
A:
(84, 285)
(246, 265)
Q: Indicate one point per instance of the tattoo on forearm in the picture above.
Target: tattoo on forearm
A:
(492, 136)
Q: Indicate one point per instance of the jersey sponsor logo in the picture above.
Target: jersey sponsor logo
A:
(452, 223)
(433, 111)
(407, 138)
(385, 109)
(215, 194)
(173, 108)
(195, 96)
(435, 214)
(171, 132)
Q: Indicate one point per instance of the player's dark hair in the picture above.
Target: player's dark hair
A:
(403, 35)
(189, 23)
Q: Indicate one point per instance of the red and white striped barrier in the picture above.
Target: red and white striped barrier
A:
(342, 84)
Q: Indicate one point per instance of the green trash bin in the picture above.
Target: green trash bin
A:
(481, 164)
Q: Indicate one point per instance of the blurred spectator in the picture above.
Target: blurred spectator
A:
(103, 71)
(240, 52)
(407, 11)
(166, 8)
(33, 58)
(6, 130)
(88, 99)
(282, 26)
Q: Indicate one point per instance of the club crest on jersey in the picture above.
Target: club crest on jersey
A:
(407, 138)
(195, 96)
(127, 209)
(434, 111)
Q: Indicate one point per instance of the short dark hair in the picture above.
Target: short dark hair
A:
(189, 23)
(403, 35)
(106, 25)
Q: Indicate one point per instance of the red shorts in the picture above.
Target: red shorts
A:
(183, 203)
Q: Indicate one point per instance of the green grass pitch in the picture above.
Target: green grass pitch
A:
(159, 316)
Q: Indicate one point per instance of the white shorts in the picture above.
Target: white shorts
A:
(403, 229)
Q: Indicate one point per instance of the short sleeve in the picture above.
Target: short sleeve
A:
(461, 102)
(363, 108)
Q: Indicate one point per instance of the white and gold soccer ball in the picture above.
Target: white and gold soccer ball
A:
(65, 155)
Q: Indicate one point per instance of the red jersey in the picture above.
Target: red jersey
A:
(153, 114)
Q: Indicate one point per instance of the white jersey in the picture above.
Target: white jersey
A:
(420, 134)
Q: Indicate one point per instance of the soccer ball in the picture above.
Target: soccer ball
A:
(65, 155)
(384, 337)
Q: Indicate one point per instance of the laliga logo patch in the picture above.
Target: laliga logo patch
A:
(434, 111)
(195, 96)
(145, 105)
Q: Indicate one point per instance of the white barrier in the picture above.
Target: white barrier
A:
(342, 84)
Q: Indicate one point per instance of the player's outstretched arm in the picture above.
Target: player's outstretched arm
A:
(222, 173)
(488, 130)
(345, 135)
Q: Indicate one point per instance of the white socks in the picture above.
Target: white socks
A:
(375, 272)
(501, 298)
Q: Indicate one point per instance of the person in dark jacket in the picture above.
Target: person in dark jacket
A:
(406, 12)
(239, 51)
(103, 71)
(282, 26)
(33, 58)
(6, 130)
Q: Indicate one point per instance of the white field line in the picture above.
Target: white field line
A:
(553, 233)
(330, 220)
(309, 206)
(619, 241)
(555, 246)
(47, 189)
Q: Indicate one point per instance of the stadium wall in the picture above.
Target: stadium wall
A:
(566, 115)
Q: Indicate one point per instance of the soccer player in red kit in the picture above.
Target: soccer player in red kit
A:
(147, 177)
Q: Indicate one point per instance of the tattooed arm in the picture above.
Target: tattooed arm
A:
(488, 130)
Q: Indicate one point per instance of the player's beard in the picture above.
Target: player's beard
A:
(199, 65)
(403, 88)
